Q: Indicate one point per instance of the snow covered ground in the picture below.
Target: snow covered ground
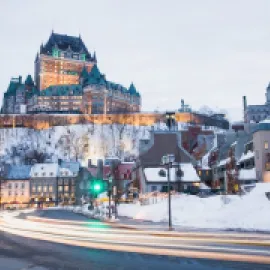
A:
(247, 212)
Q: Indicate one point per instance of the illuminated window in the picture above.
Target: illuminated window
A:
(60, 188)
(34, 188)
(45, 189)
(50, 188)
(66, 188)
(266, 145)
(39, 188)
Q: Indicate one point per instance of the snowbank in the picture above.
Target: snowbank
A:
(249, 212)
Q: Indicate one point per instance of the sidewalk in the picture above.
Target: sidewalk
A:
(136, 224)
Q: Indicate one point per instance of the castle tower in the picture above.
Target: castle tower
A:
(61, 61)
(268, 94)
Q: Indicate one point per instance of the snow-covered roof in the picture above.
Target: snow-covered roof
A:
(247, 174)
(203, 186)
(224, 161)
(189, 174)
(265, 121)
(18, 172)
(205, 161)
(233, 144)
(69, 168)
(246, 156)
(44, 170)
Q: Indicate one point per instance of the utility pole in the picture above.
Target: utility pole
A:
(110, 194)
(169, 195)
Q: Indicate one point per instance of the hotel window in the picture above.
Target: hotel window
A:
(266, 145)
(22, 193)
(23, 185)
(16, 185)
(9, 193)
(50, 188)
(34, 188)
(66, 188)
(60, 188)
(39, 188)
(10, 186)
(44, 188)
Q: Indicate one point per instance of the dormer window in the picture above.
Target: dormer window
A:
(43, 173)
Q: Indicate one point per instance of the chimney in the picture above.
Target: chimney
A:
(100, 169)
(89, 163)
(245, 107)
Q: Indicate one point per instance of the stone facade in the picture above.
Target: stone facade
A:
(257, 113)
(68, 81)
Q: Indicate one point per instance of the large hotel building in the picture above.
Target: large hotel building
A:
(68, 80)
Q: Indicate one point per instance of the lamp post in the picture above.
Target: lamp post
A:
(109, 195)
(168, 162)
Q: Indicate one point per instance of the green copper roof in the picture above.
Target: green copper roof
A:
(29, 81)
(132, 89)
(12, 88)
(95, 77)
(84, 73)
(63, 90)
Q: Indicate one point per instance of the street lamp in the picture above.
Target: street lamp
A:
(109, 195)
(167, 161)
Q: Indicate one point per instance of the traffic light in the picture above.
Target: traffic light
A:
(98, 186)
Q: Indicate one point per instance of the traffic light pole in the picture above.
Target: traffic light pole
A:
(110, 202)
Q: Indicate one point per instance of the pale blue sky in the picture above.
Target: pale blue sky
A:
(207, 52)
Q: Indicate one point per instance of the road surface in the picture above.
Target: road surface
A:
(58, 239)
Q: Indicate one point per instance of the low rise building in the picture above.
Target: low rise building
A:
(184, 177)
(43, 184)
(261, 144)
(15, 186)
(66, 182)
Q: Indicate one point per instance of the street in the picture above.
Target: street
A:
(56, 239)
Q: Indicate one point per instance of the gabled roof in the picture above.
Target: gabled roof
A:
(164, 143)
(64, 43)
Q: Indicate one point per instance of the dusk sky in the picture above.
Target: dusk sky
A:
(207, 52)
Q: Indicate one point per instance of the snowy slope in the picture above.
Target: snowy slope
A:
(80, 142)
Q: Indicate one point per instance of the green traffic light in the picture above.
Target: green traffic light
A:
(97, 187)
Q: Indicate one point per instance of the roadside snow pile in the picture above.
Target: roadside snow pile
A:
(249, 212)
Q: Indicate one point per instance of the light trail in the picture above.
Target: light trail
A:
(184, 245)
